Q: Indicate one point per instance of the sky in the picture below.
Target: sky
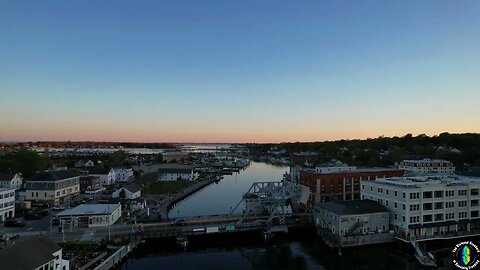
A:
(237, 71)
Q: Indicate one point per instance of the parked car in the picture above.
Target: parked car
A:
(179, 222)
(14, 223)
(58, 208)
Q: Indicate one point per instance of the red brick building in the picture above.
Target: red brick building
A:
(340, 185)
(89, 182)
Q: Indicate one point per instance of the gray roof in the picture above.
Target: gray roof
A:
(132, 187)
(7, 176)
(356, 207)
(28, 253)
(53, 176)
(89, 210)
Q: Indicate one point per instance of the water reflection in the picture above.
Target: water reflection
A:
(219, 198)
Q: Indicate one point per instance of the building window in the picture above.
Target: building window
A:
(462, 192)
(404, 195)
(395, 193)
(395, 204)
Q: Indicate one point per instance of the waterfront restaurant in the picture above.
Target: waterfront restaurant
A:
(91, 215)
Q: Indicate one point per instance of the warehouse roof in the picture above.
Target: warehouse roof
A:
(356, 207)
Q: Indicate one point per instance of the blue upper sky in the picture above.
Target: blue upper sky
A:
(222, 71)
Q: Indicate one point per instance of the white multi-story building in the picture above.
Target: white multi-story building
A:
(427, 166)
(107, 176)
(11, 180)
(123, 175)
(53, 187)
(7, 203)
(428, 205)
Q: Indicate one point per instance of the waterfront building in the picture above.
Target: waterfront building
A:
(7, 203)
(428, 205)
(174, 172)
(340, 182)
(53, 187)
(11, 180)
(132, 191)
(427, 166)
(107, 175)
(123, 175)
(353, 223)
(36, 252)
(91, 215)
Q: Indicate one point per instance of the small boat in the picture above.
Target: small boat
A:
(182, 241)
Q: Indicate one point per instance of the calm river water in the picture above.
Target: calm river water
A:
(303, 253)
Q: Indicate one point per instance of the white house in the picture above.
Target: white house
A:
(123, 175)
(89, 163)
(7, 203)
(107, 176)
(11, 180)
(36, 252)
(132, 191)
(174, 172)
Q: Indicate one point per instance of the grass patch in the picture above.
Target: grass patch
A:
(146, 179)
(167, 187)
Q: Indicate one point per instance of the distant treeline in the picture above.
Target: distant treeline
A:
(91, 144)
(385, 151)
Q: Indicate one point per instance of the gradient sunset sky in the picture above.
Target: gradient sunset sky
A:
(237, 71)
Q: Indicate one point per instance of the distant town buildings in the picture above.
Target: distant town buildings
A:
(7, 203)
(174, 156)
(35, 252)
(427, 166)
(428, 205)
(11, 180)
(53, 187)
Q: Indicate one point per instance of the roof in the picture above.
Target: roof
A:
(7, 176)
(28, 253)
(90, 210)
(53, 176)
(356, 207)
(99, 170)
(132, 187)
